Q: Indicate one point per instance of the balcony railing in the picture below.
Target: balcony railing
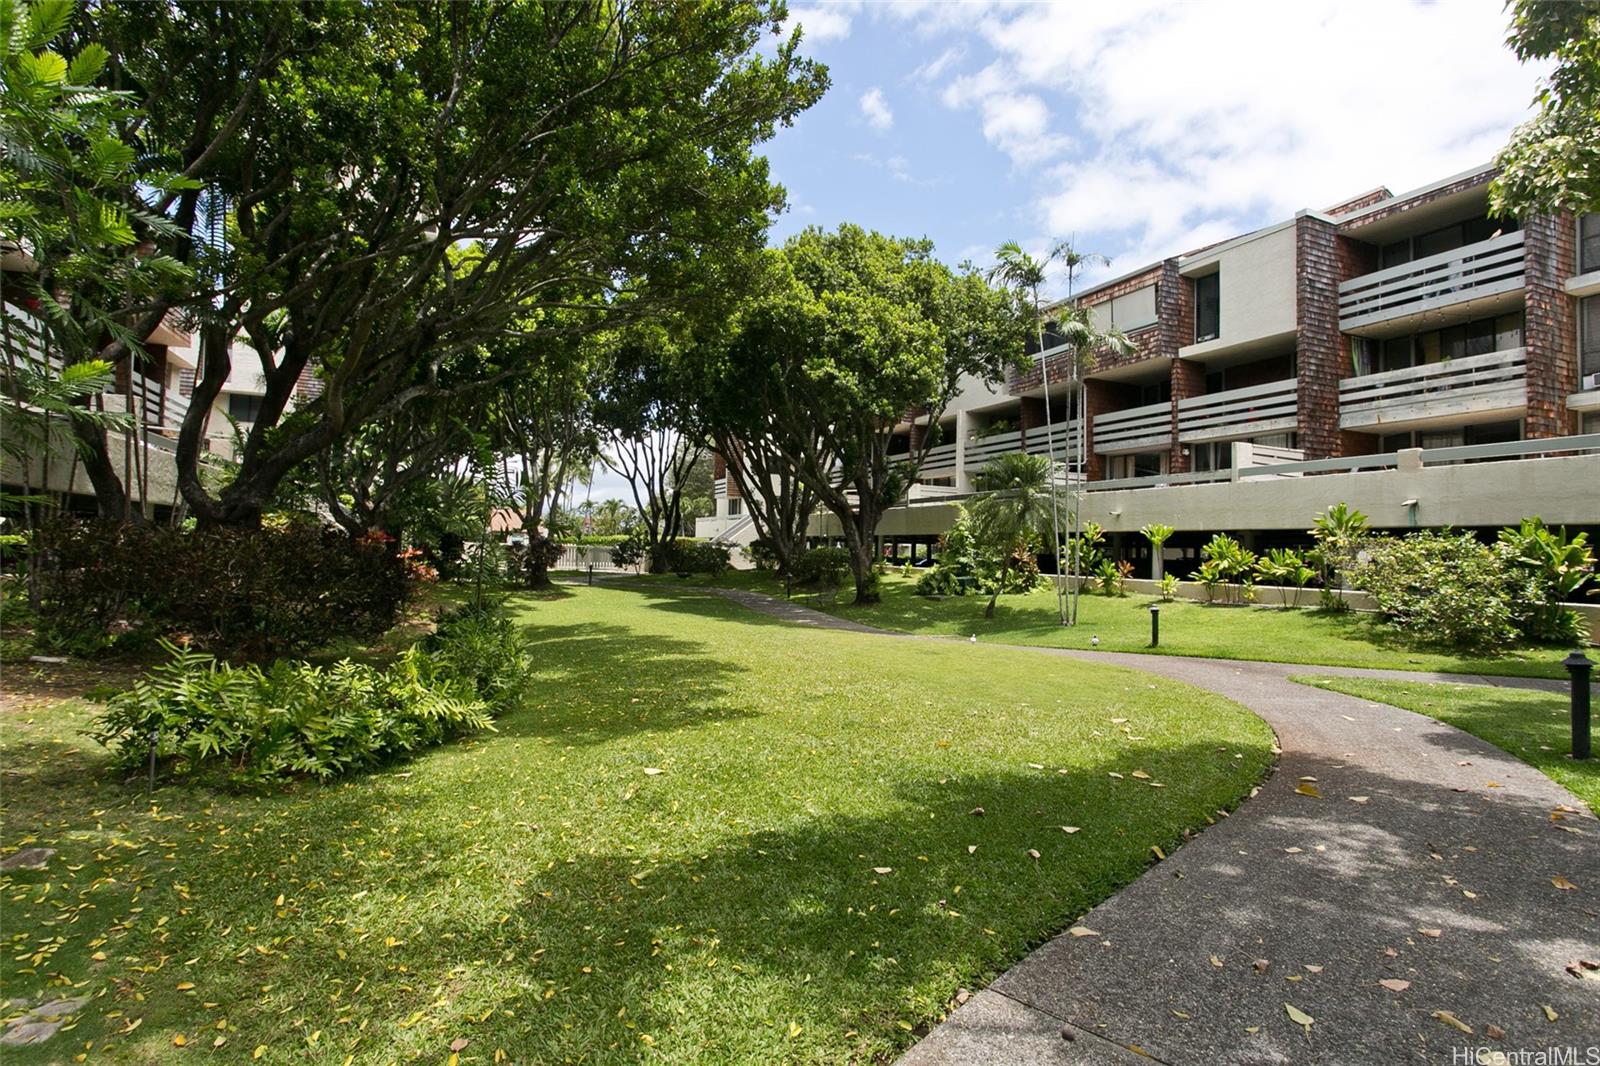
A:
(1137, 427)
(1472, 272)
(980, 451)
(940, 457)
(1258, 409)
(1476, 384)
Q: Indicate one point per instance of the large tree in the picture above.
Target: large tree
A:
(860, 333)
(1553, 161)
(381, 187)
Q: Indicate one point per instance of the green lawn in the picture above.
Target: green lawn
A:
(1533, 726)
(798, 882)
(1304, 635)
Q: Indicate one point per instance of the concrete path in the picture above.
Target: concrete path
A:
(1385, 847)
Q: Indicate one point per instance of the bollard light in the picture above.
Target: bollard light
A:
(1579, 666)
(1155, 625)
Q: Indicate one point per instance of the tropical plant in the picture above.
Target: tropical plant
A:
(1108, 577)
(1169, 587)
(630, 551)
(1229, 561)
(1337, 531)
(822, 566)
(1285, 566)
(1016, 507)
(1549, 569)
(1073, 328)
(1157, 534)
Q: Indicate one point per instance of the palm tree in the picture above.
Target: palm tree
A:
(1017, 505)
(1026, 274)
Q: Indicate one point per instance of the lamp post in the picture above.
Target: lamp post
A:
(1155, 625)
(1579, 666)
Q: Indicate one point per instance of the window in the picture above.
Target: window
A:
(1589, 338)
(1142, 464)
(1207, 307)
(1589, 244)
(1446, 239)
(244, 407)
(735, 505)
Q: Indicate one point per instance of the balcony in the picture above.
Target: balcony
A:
(941, 458)
(1248, 412)
(1458, 390)
(1486, 274)
(1137, 429)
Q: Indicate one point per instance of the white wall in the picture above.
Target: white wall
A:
(1257, 288)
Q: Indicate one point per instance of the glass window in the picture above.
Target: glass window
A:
(1149, 464)
(1443, 438)
(1207, 307)
(1589, 342)
(1453, 342)
(1396, 354)
(1480, 337)
(1396, 253)
(243, 407)
(1428, 349)
(1508, 331)
(1589, 244)
(1494, 433)
(1393, 442)
(1443, 239)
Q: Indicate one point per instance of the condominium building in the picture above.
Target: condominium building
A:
(1407, 352)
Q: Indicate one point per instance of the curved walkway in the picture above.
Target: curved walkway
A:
(1385, 847)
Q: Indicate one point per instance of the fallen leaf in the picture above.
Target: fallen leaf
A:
(1157, 849)
(883, 869)
(1069, 829)
(459, 1044)
(1306, 788)
(259, 1051)
(1433, 934)
(978, 811)
(1452, 1021)
(1394, 984)
(795, 1029)
(1032, 854)
(1252, 1028)
(971, 848)
(652, 770)
(1299, 1017)
(1549, 1012)
(1292, 851)
(1082, 930)
(1494, 1032)
(1562, 883)
(1359, 799)
(1215, 961)
(180, 1040)
(1261, 965)
(1141, 775)
(184, 986)
(1179, 1014)
(1313, 969)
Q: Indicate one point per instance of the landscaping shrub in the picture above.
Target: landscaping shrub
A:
(760, 555)
(698, 557)
(822, 566)
(482, 645)
(255, 593)
(1442, 588)
(959, 562)
(629, 551)
(245, 726)
(1169, 587)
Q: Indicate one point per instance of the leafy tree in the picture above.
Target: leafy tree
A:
(1285, 566)
(544, 432)
(1553, 161)
(390, 469)
(853, 334)
(699, 494)
(652, 433)
(383, 188)
(1016, 509)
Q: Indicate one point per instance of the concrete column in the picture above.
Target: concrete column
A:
(1243, 458)
(963, 428)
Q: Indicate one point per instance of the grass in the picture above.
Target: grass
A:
(1533, 726)
(803, 880)
(1304, 635)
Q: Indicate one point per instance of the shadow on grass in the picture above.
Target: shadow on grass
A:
(618, 682)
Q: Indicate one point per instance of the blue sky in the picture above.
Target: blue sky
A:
(1139, 129)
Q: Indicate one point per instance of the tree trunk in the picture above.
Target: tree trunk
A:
(1005, 567)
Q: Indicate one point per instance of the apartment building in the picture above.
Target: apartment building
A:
(152, 385)
(1405, 346)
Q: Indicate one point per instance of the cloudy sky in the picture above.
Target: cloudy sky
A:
(1139, 129)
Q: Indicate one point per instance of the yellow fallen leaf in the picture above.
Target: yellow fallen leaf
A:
(180, 1040)
(1562, 883)
(1299, 1017)
(1215, 961)
(1069, 829)
(1549, 1012)
(259, 1051)
(1082, 930)
(795, 1029)
(1306, 788)
(1157, 849)
(184, 986)
(453, 1060)
(883, 869)
(653, 770)
(1452, 1021)
(1141, 775)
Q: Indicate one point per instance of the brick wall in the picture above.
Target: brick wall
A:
(1399, 206)
(1188, 379)
(1550, 326)
(1322, 360)
(1364, 200)
(1101, 397)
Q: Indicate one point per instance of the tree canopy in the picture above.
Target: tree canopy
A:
(1553, 161)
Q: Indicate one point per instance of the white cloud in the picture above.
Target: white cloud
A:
(934, 68)
(876, 109)
(821, 22)
(1194, 121)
